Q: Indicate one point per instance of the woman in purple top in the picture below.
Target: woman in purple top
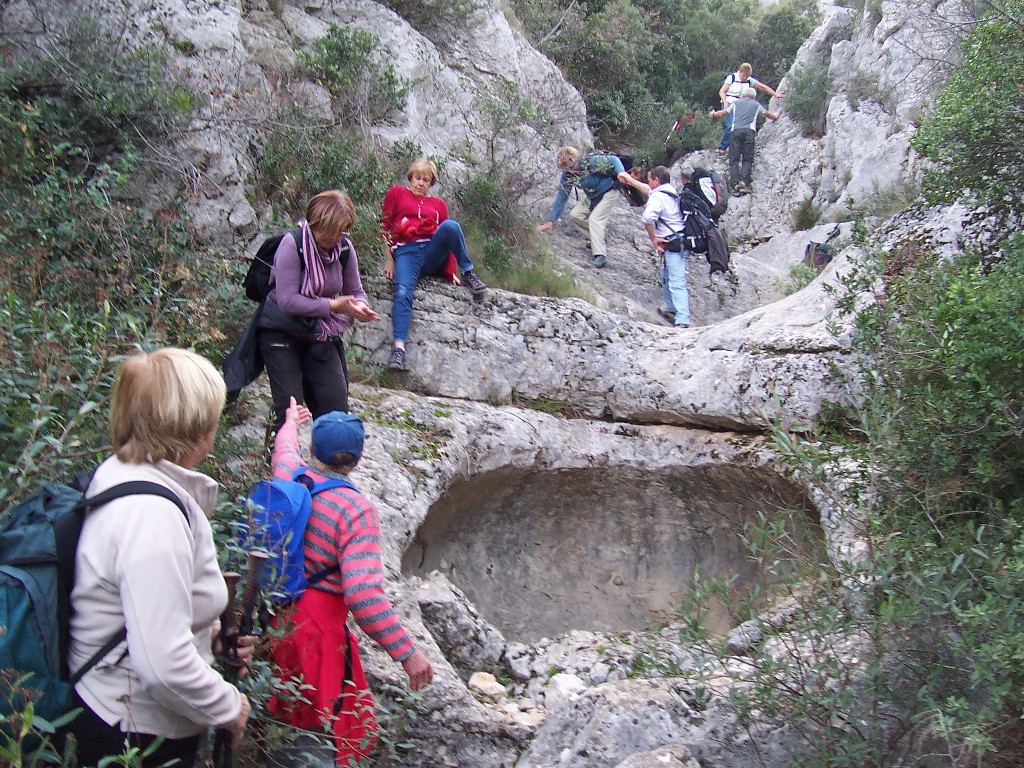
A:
(314, 296)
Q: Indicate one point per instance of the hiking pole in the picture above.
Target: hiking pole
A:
(252, 595)
(228, 656)
(675, 127)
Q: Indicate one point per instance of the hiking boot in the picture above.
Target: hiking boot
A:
(474, 283)
(397, 361)
(599, 260)
(670, 316)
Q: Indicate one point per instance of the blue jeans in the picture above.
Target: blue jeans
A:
(726, 130)
(673, 285)
(413, 260)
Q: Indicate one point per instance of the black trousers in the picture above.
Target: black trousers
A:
(741, 154)
(96, 740)
(313, 372)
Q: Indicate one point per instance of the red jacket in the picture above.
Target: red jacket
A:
(407, 218)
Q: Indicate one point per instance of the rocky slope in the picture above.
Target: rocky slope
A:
(572, 536)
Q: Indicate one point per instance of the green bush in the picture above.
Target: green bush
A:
(807, 98)
(806, 214)
(87, 274)
(350, 65)
(503, 244)
(631, 60)
(977, 149)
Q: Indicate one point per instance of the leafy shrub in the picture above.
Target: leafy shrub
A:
(299, 161)
(631, 60)
(800, 276)
(806, 214)
(807, 98)
(349, 64)
(696, 130)
(884, 202)
(86, 273)
(96, 95)
(976, 149)
(780, 31)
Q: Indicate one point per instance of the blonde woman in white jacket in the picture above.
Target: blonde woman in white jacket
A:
(144, 566)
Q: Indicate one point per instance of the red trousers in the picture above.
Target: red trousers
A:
(320, 678)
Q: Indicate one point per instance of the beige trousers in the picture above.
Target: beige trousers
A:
(594, 222)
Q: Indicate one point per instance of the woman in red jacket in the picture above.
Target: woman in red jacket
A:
(421, 240)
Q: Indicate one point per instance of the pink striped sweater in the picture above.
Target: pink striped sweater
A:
(344, 529)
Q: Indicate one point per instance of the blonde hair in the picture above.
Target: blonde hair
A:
(422, 166)
(164, 404)
(566, 156)
(746, 69)
(330, 214)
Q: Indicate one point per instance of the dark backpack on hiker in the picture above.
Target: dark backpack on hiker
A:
(713, 189)
(38, 540)
(279, 512)
(257, 279)
(701, 234)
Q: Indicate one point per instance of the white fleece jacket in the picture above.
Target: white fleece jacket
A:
(141, 565)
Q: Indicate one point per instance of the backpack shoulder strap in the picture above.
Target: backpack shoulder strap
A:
(130, 488)
(332, 482)
(119, 637)
(326, 485)
(135, 488)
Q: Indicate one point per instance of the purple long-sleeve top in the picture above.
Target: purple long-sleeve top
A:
(287, 280)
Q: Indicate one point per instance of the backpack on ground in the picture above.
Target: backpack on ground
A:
(817, 255)
(38, 540)
(280, 511)
(257, 279)
(713, 188)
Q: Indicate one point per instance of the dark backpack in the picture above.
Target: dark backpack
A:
(280, 510)
(713, 189)
(701, 234)
(634, 197)
(38, 540)
(257, 279)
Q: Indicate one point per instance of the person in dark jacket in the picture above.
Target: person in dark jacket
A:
(315, 294)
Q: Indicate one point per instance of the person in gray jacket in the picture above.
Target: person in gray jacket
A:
(745, 112)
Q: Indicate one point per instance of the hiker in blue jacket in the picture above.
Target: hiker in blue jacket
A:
(596, 174)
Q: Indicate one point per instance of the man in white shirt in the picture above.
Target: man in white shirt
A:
(664, 225)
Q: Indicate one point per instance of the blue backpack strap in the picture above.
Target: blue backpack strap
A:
(315, 488)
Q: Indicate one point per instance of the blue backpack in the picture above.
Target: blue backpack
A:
(280, 510)
(38, 540)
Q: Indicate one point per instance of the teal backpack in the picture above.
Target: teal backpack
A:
(38, 539)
